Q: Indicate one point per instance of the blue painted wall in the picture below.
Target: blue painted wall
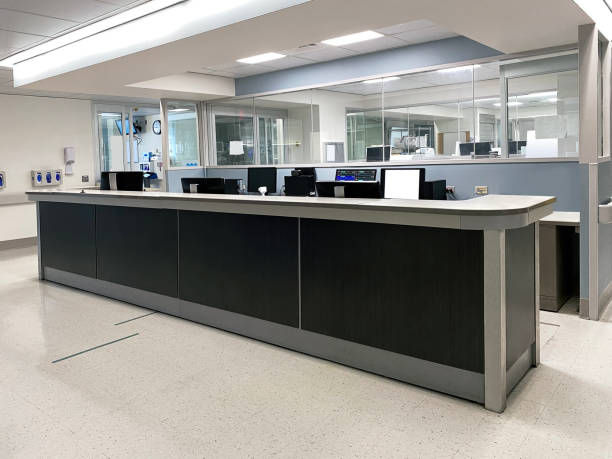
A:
(175, 175)
(605, 231)
(560, 179)
(421, 55)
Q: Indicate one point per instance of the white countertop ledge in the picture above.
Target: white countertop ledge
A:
(483, 213)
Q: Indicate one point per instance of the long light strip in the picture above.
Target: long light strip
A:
(353, 38)
(152, 6)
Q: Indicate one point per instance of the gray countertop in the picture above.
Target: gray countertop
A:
(486, 212)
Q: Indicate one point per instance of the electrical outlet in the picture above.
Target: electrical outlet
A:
(84, 178)
(481, 190)
(450, 189)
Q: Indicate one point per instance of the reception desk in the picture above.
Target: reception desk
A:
(441, 294)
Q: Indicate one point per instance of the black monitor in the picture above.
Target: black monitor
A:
(483, 148)
(122, 181)
(466, 149)
(262, 176)
(376, 153)
(232, 186)
(512, 147)
(402, 183)
(213, 185)
(304, 171)
(300, 185)
(349, 190)
(355, 175)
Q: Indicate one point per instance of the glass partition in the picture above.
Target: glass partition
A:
(183, 137)
(232, 133)
(450, 113)
(543, 115)
(285, 129)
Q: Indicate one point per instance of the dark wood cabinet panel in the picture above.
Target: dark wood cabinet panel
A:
(412, 290)
(68, 237)
(138, 247)
(246, 264)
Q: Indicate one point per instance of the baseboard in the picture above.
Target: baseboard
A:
(19, 243)
(605, 298)
(584, 308)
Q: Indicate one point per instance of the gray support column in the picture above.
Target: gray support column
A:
(535, 354)
(163, 109)
(590, 146)
(41, 275)
(495, 320)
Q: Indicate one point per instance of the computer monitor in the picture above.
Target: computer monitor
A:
(466, 149)
(376, 153)
(122, 181)
(483, 148)
(233, 186)
(262, 176)
(402, 183)
(370, 190)
(213, 185)
(355, 175)
(304, 171)
(512, 147)
(300, 185)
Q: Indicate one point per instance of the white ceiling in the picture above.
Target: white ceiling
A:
(290, 31)
(25, 23)
(409, 33)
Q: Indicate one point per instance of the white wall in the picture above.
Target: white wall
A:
(33, 134)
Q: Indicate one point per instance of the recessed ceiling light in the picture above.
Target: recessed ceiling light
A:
(261, 58)
(380, 80)
(353, 38)
(178, 110)
(459, 69)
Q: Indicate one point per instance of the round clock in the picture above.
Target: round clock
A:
(157, 127)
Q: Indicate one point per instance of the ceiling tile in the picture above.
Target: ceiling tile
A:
(406, 27)
(32, 23)
(376, 45)
(70, 10)
(16, 40)
(288, 62)
(249, 69)
(327, 53)
(425, 35)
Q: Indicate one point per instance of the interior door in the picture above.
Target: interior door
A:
(112, 144)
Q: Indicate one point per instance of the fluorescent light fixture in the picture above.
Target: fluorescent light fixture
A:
(110, 115)
(510, 104)
(178, 110)
(124, 17)
(459, 69)
(353, 38)
(552, 100)
(380, 80)
(261, 58)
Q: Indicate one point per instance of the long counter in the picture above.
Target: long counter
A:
(442, 294)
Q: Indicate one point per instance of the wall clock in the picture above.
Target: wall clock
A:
(157, 127)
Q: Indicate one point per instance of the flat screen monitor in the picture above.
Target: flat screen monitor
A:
(376, 153)
(299, 185)
(402, 183)
(122, 181)
(483, 148)
(355, 175)
(466, 149)
(135, 130)
(304, 171)
(262, 176)
(212, 185)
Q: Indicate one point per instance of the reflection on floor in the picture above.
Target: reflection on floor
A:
(179, 389)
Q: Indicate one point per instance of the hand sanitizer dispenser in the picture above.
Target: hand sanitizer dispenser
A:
(2, 180)
(69, 159)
